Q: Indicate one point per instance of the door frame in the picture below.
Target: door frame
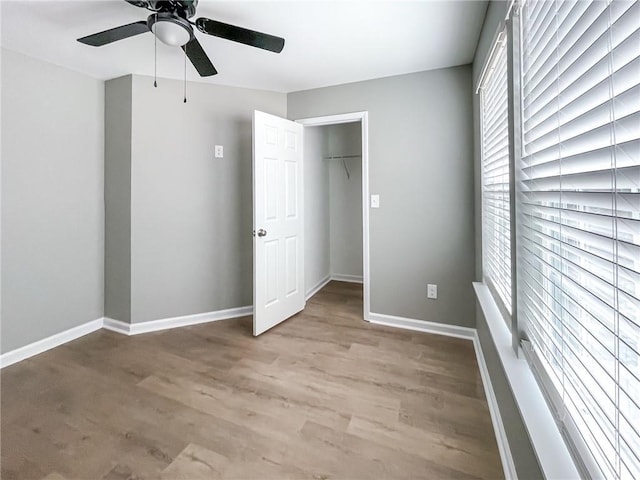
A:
(363, 118)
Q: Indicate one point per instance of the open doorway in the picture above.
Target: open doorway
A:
(335, 202)
(296, 186)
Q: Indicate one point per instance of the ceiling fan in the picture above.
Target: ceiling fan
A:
(170, 23)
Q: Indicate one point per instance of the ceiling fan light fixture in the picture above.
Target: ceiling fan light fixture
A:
(171, 30)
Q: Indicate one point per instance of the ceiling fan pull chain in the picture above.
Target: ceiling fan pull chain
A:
(155, 58)
(185, 74)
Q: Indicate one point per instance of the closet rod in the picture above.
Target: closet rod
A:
(344, 163)
(340, 157)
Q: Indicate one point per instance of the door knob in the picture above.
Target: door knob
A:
(262, 232)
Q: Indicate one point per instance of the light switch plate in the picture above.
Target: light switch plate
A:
(219, 151)
(375, 201)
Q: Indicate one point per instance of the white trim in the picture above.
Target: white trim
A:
(48, 343)
(317, 287)
(117, 326)
(548, 444)
(333, 119)
(363, 118)
(175, 322)
(365, 218)
(423, 326)
(339, 277)
(494, 410)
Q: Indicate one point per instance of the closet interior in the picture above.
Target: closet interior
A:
(333, 203)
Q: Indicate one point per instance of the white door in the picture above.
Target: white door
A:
(278, 248)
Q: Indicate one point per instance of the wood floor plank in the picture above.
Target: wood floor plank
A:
(322, 395)
(430, 446)
(196, 463)
(375, 460)
(54, 476)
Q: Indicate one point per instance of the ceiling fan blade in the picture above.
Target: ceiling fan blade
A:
(139, 3)
(241, 35)
(115, 34)
(199, 58)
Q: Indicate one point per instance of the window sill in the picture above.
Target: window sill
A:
(548, 444)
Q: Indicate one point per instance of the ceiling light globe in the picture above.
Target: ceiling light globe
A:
(173, 34)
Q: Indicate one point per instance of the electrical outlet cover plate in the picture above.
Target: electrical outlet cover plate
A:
(432, 291)
(219, 151)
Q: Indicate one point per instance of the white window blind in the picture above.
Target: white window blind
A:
(579, 220)
(496, 243)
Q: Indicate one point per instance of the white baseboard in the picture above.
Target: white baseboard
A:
(494, 410)
(317, 287)
(48, 343)
(175, 322)
(339, 277)
(116, 326)
(422, 326)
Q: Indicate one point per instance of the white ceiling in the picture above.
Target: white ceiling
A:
(327, 42)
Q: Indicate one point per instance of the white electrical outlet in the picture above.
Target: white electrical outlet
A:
(375, 201)
(432, 291)
(219, 151)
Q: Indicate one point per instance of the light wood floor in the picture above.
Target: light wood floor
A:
(324, 395)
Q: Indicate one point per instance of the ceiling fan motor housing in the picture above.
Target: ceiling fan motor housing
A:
(185, 8)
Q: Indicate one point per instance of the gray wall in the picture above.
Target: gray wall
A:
(191, 213)
(523, 455)
(316, 209)
(52, 200)
(421, 164)
(117, 197)
(345, 199)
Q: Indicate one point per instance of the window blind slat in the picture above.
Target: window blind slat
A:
(540, 80)
(544, 298)
(576, 84)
